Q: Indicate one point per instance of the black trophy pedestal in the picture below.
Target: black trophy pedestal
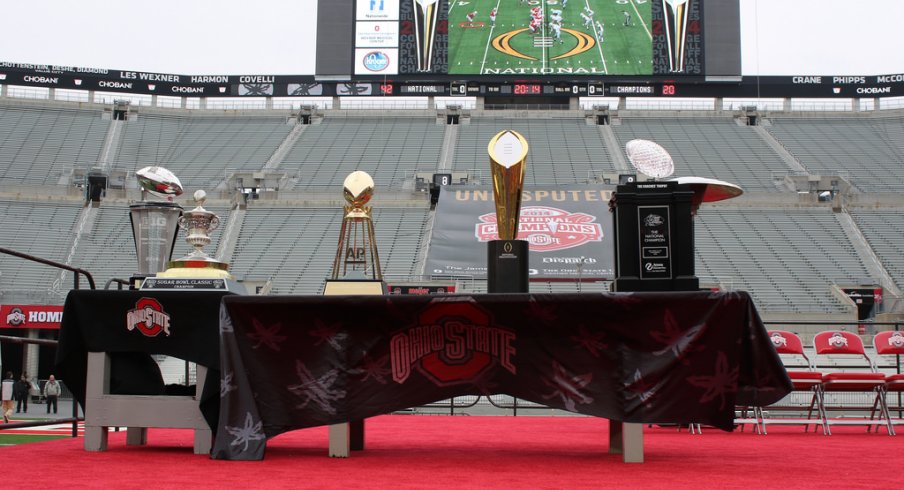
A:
(507, 266)
(654, 238)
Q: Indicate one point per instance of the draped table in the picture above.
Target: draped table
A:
(292, 362)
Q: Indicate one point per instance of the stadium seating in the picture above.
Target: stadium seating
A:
(787, 256)
(200, 150)
(711, 147)
(869, 151)
(562, 151)
(390, 149)
(42, 146)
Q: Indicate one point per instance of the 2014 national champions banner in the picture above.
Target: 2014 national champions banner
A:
(569, 229)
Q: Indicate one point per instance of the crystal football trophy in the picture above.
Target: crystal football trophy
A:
(155, 221)
(507, 257)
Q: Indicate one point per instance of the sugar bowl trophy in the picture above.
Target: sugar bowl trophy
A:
(196, 271)
(154, 220)
(356, 266)
(507, 257)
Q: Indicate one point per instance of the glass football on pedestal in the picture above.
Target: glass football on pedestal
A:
(654, 161)
(650, 159)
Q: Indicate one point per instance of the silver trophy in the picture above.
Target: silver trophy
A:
(154, 221)
(198, 225)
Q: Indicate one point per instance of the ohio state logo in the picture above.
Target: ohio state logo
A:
(838, 341)
(896, 340)
(779, 340)
(148, 318)
(452, 343)
(16, 317)
(546, 229)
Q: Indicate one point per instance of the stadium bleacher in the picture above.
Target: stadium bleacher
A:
(779, 242)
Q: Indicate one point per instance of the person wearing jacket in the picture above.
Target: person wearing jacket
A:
(20, 393)
(52, 392)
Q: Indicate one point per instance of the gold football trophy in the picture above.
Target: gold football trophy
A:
(356, 271)
(507, 260)
(356, 266)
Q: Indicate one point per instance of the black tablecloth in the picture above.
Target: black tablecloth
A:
(132, 325)
(295, 362)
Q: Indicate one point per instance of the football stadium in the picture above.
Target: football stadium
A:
(457, 243)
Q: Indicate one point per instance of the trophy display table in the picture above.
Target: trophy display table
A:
(292, 362)
(106, 340)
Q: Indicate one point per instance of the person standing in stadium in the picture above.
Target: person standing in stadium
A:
(52, 391)
(471, 16)
(627, 18)
(493, 17)
(7, 388)
(20, 393)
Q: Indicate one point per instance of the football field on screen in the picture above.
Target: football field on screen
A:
(620, 45)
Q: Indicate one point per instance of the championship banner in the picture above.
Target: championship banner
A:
(569, 229)
(31, 316)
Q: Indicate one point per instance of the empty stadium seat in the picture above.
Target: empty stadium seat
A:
(858, 374)
(891, 343)
(804, 380)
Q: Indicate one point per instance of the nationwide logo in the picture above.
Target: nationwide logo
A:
(376, 61)
(148, 318)
(452, 343)
(546, 229)
(16, 317)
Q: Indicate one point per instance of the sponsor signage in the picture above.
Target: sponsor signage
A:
(865, 299)
(655, 244)
(31, 316)
(568, 229)
(390, 60)
(374, 61)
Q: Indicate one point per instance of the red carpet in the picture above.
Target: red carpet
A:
(407, 451)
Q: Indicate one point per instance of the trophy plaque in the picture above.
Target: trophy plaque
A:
(155, 222)
(196, 271)
(507, 257)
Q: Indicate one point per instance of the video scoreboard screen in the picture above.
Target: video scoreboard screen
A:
(529, 38)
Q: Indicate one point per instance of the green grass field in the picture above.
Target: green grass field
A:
(12, 439)
(509, 48)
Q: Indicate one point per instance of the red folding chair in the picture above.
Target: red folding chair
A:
(859, 374)
(888, 344)
(804, 380)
